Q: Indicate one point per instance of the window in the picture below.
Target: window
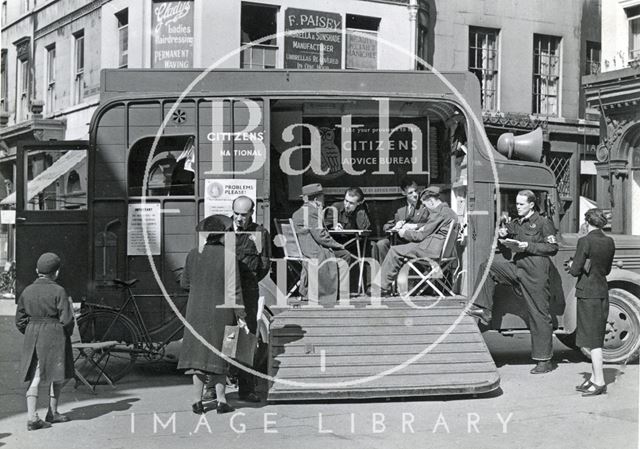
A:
(546, 74)
(362, 46)
(123, 38)
(592, 66)
(4, 12)
(171, 171)
(22, 90)
(258, 22)
(423, 38)
(633, 15)
(78, 83)
(483, 62)
(4, 81)
(51, 78)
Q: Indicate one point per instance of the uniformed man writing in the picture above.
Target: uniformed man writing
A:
(531, 238)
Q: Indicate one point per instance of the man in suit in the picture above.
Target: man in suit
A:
(318, 246)
(533, 241)
(350, 213)
(591, 265)
(426, 242)
(408, 217)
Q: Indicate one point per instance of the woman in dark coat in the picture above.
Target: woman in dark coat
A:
(45, 316)
(204, 276)
(591, 265)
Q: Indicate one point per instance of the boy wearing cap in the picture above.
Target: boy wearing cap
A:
(45, 317)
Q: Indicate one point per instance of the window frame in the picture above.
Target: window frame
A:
(543, 79)
(484, 73)
(51, 76)
(122, 17)
(259, 52)
(634, 53)
(78, 66)
(4, 80)
(592, 65)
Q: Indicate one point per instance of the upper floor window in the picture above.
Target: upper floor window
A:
(78, 82)
(546, 74)
(4, 12)
(592, 66)
(257, 22)
(51, 78)
(123, 38)
(633, 15)
(4, 81)
(423, 38)
(483, 62)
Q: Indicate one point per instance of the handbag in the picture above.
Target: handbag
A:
(239, 345)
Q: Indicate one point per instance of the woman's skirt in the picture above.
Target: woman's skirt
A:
(592, 314)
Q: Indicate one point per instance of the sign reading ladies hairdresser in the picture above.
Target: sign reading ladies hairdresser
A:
(172, 37)
(312, 49)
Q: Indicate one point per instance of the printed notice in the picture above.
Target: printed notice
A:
(220, 193)
(143, 216)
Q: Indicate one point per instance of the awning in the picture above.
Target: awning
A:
(66, 163)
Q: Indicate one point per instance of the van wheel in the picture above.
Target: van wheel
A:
(622, 337)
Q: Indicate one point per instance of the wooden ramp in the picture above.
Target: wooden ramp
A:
(337, 353)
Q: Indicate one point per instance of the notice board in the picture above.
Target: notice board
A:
(311, 48)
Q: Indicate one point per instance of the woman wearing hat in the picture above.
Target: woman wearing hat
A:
(204, 276)
(45, 317)
(591, 265)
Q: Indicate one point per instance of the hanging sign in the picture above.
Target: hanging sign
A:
(172, 35)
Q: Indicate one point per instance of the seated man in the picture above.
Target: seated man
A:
(408, 216)
(317, 244)
(426, 242)
(351, 213)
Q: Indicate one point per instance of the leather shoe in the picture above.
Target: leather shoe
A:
(223, 407)
(56, 417)
(37, 424)
(198, 408)
(597, 390)
(480, 313)
(249, 397)
(584, 386)
(542, 367)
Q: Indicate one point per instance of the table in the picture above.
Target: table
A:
(359, 237)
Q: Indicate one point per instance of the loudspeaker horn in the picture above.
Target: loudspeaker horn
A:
(527, 147)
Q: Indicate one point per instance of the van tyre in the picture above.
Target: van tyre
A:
(622, 339)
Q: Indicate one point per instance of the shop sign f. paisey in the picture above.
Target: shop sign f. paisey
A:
(309, 48)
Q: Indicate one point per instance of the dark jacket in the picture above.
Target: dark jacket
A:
(45, 317)
(599, 249)
(204, 276)
(538, 232)
(358, 219)
(418, 214)
(432, 234)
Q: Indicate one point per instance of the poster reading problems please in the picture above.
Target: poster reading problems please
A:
(220, 193)
(172, 35)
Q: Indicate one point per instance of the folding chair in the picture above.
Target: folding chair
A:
(92, 356)
(291, 247)
(439, 276)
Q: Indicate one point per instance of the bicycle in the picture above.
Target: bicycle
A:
(101, 322)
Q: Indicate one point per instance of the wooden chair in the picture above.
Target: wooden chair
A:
(90, 360)
(291, 248)
(441, 276)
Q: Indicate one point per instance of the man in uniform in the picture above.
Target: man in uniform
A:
(349, 213)
(253, 256)
(317, 245)
(426, 242)
(532, 239)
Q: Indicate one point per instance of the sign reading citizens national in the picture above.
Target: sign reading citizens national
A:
(172, 37)
(309, 47)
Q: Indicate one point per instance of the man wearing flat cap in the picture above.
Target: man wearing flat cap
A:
(426, 242)
(317, 245)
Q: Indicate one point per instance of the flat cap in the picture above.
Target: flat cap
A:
(431, 191)
(311, 189)
(48, 263)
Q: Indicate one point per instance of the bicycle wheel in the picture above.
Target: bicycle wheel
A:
(107, 325)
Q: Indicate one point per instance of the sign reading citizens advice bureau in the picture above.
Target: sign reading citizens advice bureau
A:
(312, 49)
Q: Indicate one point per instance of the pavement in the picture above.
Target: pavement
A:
(150, 408)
